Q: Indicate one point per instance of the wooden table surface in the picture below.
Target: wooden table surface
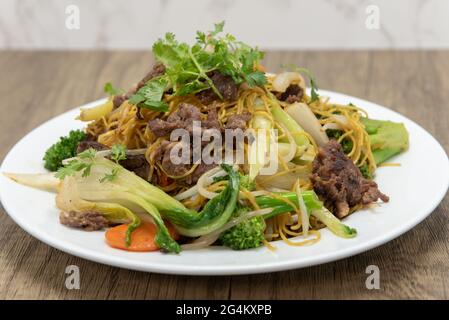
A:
(35, 86)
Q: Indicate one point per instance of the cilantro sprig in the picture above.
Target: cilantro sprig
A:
(118, 153)
(187, 67)
(83, 163)
(111, 90)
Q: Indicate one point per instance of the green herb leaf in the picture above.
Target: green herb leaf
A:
(256, 78)
(87, 154)
(150, 95)
(187, 67)
(110, 176)
(109, 89)
(77, 165)
(118, 152)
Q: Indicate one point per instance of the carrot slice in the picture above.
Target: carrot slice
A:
(142, 238)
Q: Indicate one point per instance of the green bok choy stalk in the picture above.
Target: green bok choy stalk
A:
(314, 206)
(69, 200)
(100, 180)
(260, 147)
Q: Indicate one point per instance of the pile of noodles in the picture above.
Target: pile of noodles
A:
(128, 125)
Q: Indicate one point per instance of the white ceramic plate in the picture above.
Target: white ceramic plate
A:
(415, 189)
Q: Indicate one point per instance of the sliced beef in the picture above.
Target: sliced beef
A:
(181, 119)
(162, 155)
(224, 84)
(212, 121)
(338, 182)
(157, 70)
(294, 93)
(170, 168)
(162, 128)
(88, 144)
(138, 164)
(238, 121)
(88, 221)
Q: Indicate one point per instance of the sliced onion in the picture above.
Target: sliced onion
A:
(43, 181)
(281, 81)
(342, 120)
(193, 191)
(208, 239)
(207, 178)
(332, 126)
(304, 214)
(293, 146)
(308, 121)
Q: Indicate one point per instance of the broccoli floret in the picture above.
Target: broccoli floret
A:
(246, 235)
(364, 170)
(346, 144)
(63, 149)
(246, 183)
(387, 138)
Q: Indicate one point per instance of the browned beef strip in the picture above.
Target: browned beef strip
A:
(180, 119)
(87, 144)
(88, 221)
(212, 121)
(162, 128)
(224, 84)
(238, 121)
(339, 182)
(157, 70)
(162, 155)
(293, 94)
(138, 164)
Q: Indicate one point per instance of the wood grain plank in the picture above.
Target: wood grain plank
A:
(36, 86)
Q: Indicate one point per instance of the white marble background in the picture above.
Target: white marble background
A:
(271, 24)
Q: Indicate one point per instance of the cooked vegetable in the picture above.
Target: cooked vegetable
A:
(142, 239)
(285, 179)
(346, 143)
(187, 67)
(43, 181)
(387, 138)
(69, 200)
(289, 123)
(127, 188)
(313, 86)
(283, 80)
(260, 147)
(63, 149)
(246, 235)
(246, 183)
(111, 90)
(314, 206)
(97, 112)
(302, 114)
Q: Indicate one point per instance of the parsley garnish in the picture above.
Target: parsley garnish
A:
(110, 176)
(109, 89)
(118, 152)
(187, 67)
(76, 165)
